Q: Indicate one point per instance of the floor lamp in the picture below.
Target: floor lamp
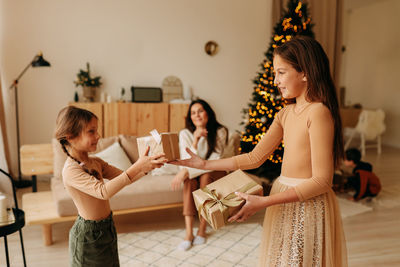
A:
(37, 61)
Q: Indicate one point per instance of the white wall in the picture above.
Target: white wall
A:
(371, 62)
(128, 42)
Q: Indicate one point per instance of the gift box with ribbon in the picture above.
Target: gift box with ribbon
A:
(167, 143)
(218, 201)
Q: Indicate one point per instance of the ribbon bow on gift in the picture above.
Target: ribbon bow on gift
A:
(222, 203)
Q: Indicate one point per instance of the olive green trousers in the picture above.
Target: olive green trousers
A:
(93, 243)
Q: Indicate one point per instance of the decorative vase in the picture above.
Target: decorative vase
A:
(89, 93)
(188, 93)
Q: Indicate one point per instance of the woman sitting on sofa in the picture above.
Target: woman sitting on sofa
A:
(207, 138)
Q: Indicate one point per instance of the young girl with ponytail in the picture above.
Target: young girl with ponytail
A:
(93, 239)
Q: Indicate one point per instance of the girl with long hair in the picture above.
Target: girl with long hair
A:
(206, 138)
(302, 225)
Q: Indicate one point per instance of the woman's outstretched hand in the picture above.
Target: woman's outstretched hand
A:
(194, 162)
(252, 205)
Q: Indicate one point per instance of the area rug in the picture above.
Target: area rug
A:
(389, 197)
(350, 208)
(233, 245)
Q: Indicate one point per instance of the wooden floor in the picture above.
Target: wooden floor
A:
(373, 238)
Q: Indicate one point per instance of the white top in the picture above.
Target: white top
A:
(186, 141)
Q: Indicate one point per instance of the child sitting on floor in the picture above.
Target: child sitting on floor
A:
(363, 181)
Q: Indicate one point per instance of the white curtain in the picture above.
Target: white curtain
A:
(3, 160)
(3, 135)
(5, 184)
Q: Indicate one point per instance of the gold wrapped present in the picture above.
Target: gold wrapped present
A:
(218, 201)
(167, 143)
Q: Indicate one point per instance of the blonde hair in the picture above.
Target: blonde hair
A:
(70, 123)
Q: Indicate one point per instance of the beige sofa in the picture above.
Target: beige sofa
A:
(45, 208)
(150, 190)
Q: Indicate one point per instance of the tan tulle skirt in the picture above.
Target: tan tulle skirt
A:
(307, 233)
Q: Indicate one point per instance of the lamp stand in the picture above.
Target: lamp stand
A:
(20, 183)
(38, 61)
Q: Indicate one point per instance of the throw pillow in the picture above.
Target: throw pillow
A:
(232, 147)
(105, 142)
(116, 156)
(129, 145)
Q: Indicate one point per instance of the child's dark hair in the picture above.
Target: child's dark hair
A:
(353, 154)
(306, 55)
(71, 121)
(212, 125)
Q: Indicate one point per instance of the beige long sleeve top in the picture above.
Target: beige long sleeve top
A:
(186, 139)
(90, 194)
(308, 141)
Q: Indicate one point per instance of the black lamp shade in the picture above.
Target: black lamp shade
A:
(39, 61)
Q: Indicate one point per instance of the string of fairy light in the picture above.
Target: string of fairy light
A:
(266, 90)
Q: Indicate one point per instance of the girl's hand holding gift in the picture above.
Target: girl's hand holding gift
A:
(147, 163)
(252, 205)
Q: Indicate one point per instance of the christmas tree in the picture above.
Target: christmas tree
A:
(266, 98)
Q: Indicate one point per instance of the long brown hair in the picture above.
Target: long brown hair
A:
(70, 123)
(212, 125)
(306, 55)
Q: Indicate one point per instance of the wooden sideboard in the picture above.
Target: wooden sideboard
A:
(137, 118)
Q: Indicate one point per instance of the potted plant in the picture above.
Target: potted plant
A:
(121, 99)
(88, 83)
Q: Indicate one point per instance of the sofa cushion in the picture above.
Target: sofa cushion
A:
(115, 156)
(129, 144)
(232, 147)
(148, 191)
(105, 142)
